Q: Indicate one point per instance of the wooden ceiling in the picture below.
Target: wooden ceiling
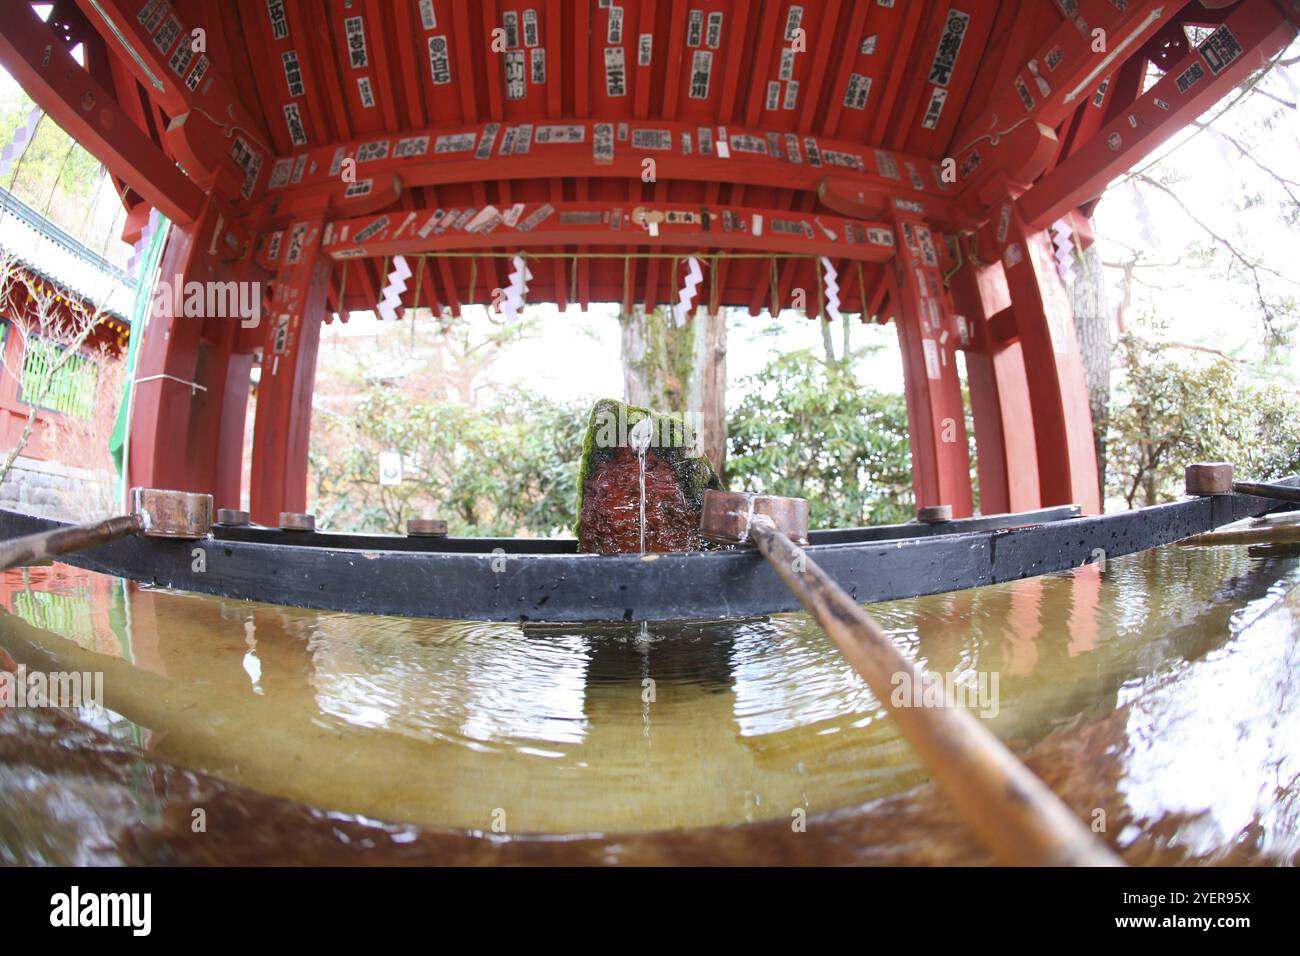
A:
(876, 92)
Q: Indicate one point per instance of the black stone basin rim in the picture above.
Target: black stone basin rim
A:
(393, 542)
(587, 587)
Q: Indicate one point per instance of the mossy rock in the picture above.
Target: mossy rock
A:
(677, 475)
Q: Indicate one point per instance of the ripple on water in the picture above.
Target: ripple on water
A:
(619, 728)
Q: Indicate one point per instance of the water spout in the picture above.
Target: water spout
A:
(639, 441)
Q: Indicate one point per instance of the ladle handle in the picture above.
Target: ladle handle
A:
(1017, 816)
(1264, 490)
(33, 548)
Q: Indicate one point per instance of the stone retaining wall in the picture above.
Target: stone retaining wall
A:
(51, 490)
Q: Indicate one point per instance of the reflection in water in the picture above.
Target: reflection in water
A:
(584, 729)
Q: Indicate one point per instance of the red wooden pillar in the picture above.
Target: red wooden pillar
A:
(219, 437)
(282, 430)
(230, 441)
(926, 336)
(180, 374)
(1067, 459)
(999, 392)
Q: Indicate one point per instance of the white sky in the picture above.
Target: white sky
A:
(578, 357)
(1201, 310)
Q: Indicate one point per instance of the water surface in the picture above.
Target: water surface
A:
(1179, 666)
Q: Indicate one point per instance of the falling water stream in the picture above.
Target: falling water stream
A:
(640, 439)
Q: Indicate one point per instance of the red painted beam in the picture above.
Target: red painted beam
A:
(183, 412)
(939, 107)
(270, 83)
(912, 14)
(558, 224)
(433, 157)
(1007, 455)
(771, 34)
(914, 70)
(552, 41)
(835, 102)
(35, 57)
(675, 52)
(827, 38)
(379, 15)
(228, 489)
(729, 105)
(323, 71)
(1251, 35)
(1044, 92)
(157, 46)
(406, 26)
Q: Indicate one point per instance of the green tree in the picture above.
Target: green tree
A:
(1174, 408)
(808, 428)
(58, 177)
(505, 469)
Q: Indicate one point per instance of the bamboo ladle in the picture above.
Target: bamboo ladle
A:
(155, 513)
(1216, 478)
(1014, 813)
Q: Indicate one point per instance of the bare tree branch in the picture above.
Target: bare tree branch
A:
(39, 318)
(1254, 268)
(1276, 99)
(1281, 180)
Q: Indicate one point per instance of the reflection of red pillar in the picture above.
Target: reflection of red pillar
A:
(999, 394)
(1067, 458)
(935, 417)
(282, 430)
(1024, 625)
(1085, 591)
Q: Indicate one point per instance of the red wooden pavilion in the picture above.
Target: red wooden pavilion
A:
(924, 151)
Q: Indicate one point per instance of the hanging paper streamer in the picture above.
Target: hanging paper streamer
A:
(22, 136)
(830, 279)
(515, 291)
(1064, 250)
(393, 291)
(685, 298)
(1147, 230)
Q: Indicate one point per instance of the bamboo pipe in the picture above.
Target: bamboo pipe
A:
(1014, 813)
(155, 513)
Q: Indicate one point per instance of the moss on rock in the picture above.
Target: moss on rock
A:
(677, 475)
